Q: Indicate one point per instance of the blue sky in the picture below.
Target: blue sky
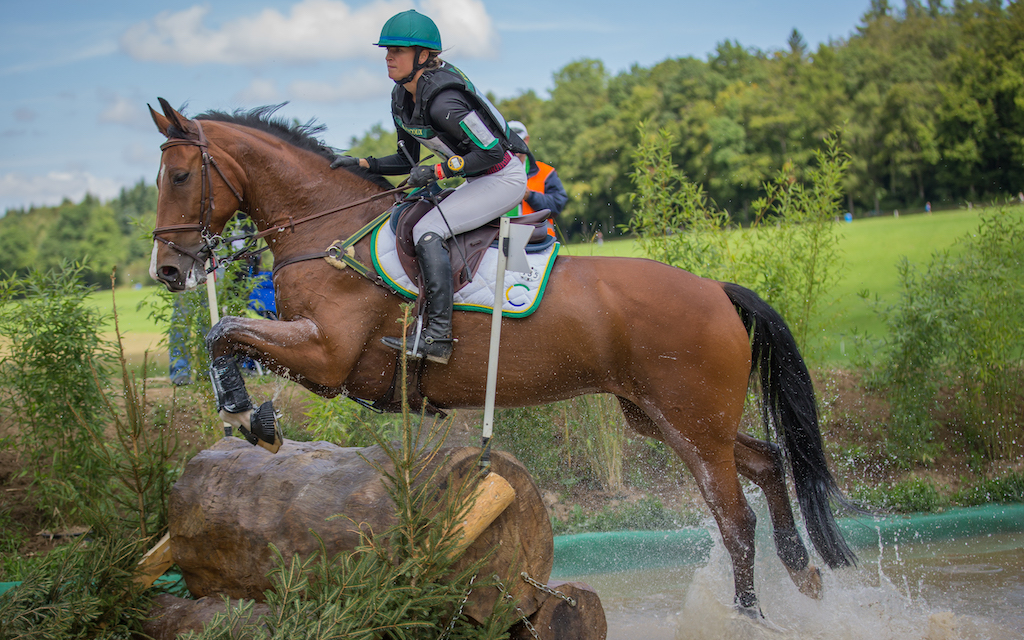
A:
(77, 76)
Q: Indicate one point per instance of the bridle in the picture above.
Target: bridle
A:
(206, 200)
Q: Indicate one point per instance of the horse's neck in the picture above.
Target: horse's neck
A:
(291, 205)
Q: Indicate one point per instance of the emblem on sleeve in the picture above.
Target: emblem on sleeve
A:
(455, 164)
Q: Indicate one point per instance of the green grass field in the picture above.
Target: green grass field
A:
(871, 247)
(139, 332)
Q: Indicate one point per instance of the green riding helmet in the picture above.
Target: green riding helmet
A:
(410, 29)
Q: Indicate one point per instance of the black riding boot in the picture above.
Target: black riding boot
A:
(435, 342)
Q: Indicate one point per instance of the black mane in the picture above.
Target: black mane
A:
(301, 135)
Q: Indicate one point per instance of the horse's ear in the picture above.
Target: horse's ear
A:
(177, 125)
(161, 121)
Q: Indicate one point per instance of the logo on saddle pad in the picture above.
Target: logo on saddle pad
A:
(523, 291)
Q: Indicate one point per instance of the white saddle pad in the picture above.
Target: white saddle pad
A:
(523, 291)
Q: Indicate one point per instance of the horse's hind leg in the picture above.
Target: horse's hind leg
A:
(715, 470)
(761, 462)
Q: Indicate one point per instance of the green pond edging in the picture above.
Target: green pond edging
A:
(588, 553)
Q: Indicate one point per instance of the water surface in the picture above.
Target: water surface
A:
(963, 589)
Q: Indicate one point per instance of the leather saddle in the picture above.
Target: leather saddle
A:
(473, 243)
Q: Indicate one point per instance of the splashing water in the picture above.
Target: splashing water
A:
(965, 589)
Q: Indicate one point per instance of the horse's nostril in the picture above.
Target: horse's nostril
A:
(168, 272)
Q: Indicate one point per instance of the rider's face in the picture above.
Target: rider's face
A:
(399, 60)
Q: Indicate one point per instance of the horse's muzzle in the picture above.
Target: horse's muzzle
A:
(174, 280)
(177, 273)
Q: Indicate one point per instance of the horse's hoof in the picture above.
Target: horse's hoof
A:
(746, 605)
(808, 581)
(753, 613)
(265, 427)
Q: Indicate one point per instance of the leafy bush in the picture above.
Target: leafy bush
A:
(917, 495)
(793, 260)
(80, 590)
(912, 495)
(535, 436)
(53, 373)
(957, 325)
(672, 218)
(598, 431)
(55, 377)
(1009, 488)
(343, 422)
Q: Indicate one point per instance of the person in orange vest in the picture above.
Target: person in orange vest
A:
(544, 189)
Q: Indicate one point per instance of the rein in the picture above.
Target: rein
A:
(290, 225)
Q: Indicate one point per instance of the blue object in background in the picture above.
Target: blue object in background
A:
(261, 300)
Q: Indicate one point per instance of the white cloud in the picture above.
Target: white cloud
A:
(17, 190)
(358, 85)
(312, 30)
(121, 110)
(259, 90)
(466, 29)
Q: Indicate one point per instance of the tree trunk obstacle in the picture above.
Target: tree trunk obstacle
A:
(233, 500)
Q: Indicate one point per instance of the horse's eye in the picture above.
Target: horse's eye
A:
(180, 178)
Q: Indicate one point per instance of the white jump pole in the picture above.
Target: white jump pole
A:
(492, 358)
(211, 293)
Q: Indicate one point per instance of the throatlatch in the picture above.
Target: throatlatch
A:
(259, 426)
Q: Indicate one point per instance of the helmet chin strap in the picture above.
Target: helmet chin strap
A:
(416, 66)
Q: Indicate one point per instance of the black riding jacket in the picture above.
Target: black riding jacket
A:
(450, 118)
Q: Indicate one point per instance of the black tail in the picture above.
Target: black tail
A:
(790, 409)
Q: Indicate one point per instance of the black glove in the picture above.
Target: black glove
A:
(421, 175)
(344, 161)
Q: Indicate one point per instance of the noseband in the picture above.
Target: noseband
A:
(206, 201)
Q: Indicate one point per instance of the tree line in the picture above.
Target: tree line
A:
(928, 100)
(100, 235)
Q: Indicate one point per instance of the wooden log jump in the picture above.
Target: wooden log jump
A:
(232, 500)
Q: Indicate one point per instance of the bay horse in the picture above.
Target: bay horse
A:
(677, 350)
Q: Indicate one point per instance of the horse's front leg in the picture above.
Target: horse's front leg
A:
(284, 347)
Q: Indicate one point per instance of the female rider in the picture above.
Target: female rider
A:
(436, 106)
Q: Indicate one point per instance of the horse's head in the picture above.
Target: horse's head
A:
(196, 200)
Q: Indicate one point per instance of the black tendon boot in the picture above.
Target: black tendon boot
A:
(435, 341)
